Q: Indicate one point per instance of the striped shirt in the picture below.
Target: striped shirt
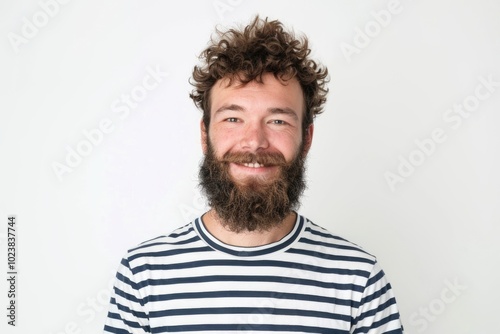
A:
(311, 281)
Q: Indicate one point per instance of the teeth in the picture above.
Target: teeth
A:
(253, 165)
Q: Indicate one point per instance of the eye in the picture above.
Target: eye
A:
(231, 119)
(278, 122)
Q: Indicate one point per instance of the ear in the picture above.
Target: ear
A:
(204, 137)
(308, 137)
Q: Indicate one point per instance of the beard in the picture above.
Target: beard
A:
(253, 204)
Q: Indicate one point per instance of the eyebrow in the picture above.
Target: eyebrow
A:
(277, 111)
(229, 107)
(285, 111)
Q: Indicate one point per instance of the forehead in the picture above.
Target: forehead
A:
(270, 93)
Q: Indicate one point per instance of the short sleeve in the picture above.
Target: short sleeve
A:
(378, 312)
(127, 314)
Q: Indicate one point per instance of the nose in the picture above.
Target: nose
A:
(254, 138)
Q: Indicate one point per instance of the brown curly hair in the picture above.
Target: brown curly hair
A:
(261, 47)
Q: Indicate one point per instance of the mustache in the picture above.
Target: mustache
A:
(263, 158)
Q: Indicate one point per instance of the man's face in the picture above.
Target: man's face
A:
(254, 151)
(257, 118)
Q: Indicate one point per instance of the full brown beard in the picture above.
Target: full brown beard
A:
(254, 203)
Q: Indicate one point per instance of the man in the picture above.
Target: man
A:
(252, 263)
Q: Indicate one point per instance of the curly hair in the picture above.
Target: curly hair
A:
(261, 47)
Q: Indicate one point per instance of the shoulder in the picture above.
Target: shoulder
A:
(181, 239)
(324, 241)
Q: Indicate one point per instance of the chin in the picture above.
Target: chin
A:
(254, 180)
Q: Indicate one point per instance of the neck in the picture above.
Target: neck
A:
(217, 228)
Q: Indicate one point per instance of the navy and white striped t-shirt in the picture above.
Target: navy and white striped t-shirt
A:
(308, 282)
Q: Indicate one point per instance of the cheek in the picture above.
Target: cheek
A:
(221, 143)
(288, 145)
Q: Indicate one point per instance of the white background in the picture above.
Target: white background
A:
(435, 234)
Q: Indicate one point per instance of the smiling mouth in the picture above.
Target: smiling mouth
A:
(253, 165)
(254, 161)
